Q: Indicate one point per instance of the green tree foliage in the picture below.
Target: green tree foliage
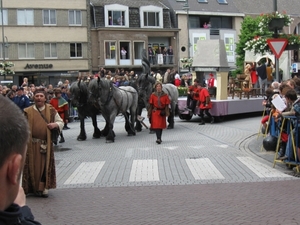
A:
(249, 30)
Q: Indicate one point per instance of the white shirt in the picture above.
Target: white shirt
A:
(123, 52)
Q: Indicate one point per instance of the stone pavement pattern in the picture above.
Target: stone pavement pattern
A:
(136, 181)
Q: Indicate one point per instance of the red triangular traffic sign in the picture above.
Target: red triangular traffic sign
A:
(277, 45)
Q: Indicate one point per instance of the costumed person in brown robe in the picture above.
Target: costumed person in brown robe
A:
(62, 107)
(39, 170)
(158, 110)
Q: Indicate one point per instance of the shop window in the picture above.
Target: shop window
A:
(50, 50)
(49, 17)
(75, 17)
(26, 51)
(25, 16)
(75, 50)
(151, 16)
(116, 15)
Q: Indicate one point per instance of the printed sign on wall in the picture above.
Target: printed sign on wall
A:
(229, 46)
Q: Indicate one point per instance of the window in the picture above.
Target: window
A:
(110, 50)
(222, 1)
(116, 15)
(151, 19)
(194, 22)
(5, 51)
(151, 16)
(49, 17)
(25, 16)
(75, 17)
(26, 51)
(4, 17)
(50, 50)
(202, 1)
(116, 18)
(75, 50)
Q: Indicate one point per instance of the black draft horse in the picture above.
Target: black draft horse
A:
(112, 101)
(80, 99)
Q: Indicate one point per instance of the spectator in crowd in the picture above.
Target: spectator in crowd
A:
(151, 55)
(170, 54)
(184, 81)
(166, 76)
(123, 53)
(20, 99)
(262, 76)
(14, 135)
(177, 79)
(39, 170)
(165, 55)
(62, 107)
(25, 82)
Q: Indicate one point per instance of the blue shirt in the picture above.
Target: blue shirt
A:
(22, 101)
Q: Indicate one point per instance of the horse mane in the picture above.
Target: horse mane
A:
(93, 85)
(146, 78)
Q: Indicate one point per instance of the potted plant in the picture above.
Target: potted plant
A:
(6, 68)
(259, 42)
(274, 20)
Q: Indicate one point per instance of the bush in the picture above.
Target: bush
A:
(182, 91)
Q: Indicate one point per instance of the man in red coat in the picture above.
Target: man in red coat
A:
(204, 104)
(61, 106)
(192, 96)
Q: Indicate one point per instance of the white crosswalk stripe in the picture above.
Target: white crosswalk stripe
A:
(203, 169)
(85, 173)
(144, 170)
(260, 169)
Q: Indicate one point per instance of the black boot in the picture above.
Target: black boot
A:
(282, 149)
(62, 140)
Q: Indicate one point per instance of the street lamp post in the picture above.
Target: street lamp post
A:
(2, 26)
(276, 36)
(186, 7)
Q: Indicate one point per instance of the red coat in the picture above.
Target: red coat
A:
(158, 121)
(194, 91)
(177, 82)
(254, 76)
(211, 82)
(202, 99)
(61, 109)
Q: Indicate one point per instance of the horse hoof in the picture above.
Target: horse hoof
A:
(110, 141)
(140, 130)
(96, 137)
(170, 127)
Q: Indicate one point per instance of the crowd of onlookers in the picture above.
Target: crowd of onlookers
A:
(22, 95)
(273, 123)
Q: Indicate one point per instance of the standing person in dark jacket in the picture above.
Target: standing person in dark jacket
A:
(262, 76)
(20, 99)
(14, 134)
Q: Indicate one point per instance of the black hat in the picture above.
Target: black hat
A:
(20, 88)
